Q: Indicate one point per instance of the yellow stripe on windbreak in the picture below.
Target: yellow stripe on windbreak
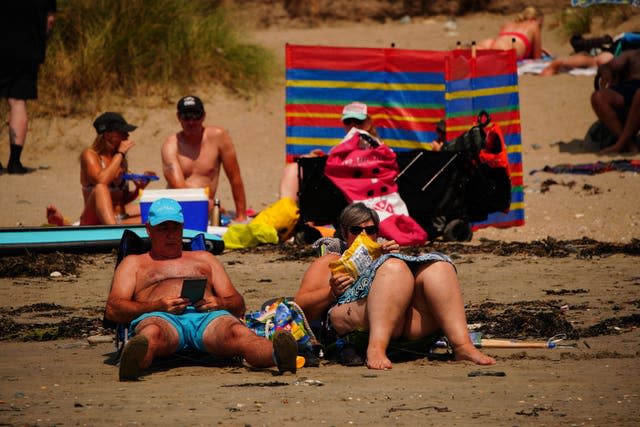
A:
(480, 92)
(375, 117)
(365, 85)
(516, 205)
(328, 142)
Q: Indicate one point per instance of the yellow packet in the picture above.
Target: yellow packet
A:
(362, 252)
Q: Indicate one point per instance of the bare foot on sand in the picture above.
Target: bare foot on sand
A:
(620, 148)
(54, 217)
(377, 359)
(472, 354)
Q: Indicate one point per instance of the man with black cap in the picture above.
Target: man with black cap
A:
(146, 292)
(192, 157)
(107, 199)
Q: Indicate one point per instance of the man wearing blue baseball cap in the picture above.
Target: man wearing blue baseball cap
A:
(146, 293)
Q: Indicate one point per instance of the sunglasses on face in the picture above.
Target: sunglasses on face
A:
(191, 116)
(369, 229)
(352, 122)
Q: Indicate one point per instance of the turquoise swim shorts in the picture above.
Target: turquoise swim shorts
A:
(190, 325)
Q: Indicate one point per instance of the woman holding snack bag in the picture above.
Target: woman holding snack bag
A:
(368, 285)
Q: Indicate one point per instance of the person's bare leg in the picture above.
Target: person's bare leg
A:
(18, 125)
(569, 63)
(18, 121)
(289, 182)
(441, 307)
(384, 311)
(154, 337)
(606, 103)
(226, 336)
(626, 139)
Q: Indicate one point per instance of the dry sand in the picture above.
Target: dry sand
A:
(66, 382)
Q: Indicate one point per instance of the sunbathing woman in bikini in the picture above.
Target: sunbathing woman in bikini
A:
(526, 30)
(107, 199)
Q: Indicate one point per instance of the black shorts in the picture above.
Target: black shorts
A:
(19, 81)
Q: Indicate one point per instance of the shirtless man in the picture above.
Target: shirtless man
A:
(192, 158)
(145, 292)
(617, 103)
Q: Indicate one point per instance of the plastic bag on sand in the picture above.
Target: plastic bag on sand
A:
(282, 215)
(239, 236)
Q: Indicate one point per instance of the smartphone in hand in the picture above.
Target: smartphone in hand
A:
(193, 288)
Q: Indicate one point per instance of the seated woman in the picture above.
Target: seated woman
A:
(107, 199)
(524, 35)
(354, 115)
(397, 296)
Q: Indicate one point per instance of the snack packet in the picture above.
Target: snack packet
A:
(362, 252)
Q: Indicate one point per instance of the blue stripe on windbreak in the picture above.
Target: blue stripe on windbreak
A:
(387, 134)
(456, 106)
(365, 76)
(389, 97)
(315, 132)
(497, 217)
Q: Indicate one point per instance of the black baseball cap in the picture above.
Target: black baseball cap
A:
(190, 103)
(111, 121)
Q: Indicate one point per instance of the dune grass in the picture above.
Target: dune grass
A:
(127, 48)
(579, 20)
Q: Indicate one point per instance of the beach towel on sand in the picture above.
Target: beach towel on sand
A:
(593, 168)
(364, 169)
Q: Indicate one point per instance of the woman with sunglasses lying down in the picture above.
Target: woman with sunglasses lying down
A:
(396, 296)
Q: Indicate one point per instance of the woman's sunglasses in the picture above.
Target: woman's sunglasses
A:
(369, 229)
(191, 116)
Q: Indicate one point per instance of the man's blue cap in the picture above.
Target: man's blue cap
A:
(165, 210)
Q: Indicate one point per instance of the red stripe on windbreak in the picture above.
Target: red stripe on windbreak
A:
(314, 108)
(515, 180)
(504, 224)
(335, 58)
(325, 122)
(404, 60)
(488, 63)
(364, 59)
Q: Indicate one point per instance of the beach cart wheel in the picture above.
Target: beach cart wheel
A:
(457, 230)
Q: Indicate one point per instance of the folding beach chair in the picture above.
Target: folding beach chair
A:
(132, 244)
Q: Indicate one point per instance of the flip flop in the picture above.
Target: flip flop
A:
(132, 356)
(285, 351)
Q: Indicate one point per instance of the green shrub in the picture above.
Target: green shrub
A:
(132, 47)
(578, 20)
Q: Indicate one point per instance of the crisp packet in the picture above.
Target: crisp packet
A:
(362, 252)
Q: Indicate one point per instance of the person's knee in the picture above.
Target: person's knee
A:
(157, 335)
(438, 270)
(394, 266)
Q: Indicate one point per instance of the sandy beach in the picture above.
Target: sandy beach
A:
(558, 281)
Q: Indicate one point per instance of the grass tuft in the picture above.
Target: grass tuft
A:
(101, 48)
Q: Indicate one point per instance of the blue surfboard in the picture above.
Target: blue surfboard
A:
(100, 238)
